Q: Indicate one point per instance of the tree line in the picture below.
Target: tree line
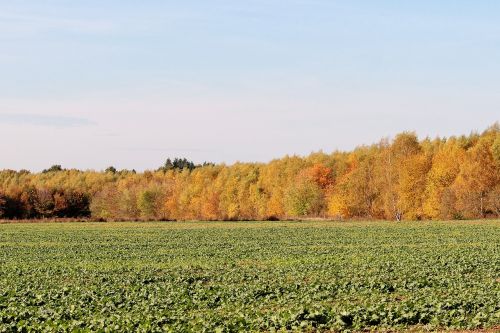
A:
(399, 179)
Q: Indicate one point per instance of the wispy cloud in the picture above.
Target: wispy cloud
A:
(38, 23)
(43, 120)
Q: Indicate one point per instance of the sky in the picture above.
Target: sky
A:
(88, 84)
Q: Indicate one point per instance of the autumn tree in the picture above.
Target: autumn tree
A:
(60, 205)
(304, 197)
(439, 198)
(355, 192)
(149, 203)
(478, 177)
(412, 185)
(3, 205)
(104, 203)
(396, 166)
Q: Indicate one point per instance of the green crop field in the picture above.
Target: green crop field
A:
(250, 276)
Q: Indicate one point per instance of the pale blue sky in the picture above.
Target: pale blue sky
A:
(91, 83)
